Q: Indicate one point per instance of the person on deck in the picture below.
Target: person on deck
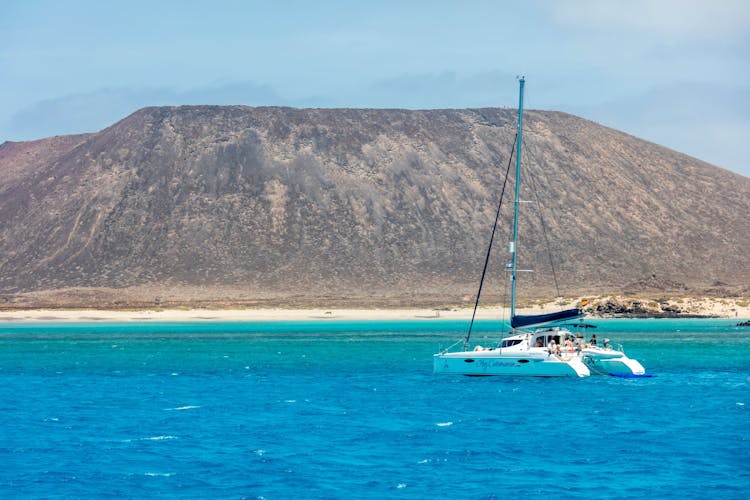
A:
(569, 347)
(552, 347)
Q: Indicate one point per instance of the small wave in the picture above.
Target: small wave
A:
(444, 424)
(290, 400)
(400, 486)
(179, 408)
(151, 438)
(159, 474)
(158, 438)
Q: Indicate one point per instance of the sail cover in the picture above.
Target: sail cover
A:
(537, 319)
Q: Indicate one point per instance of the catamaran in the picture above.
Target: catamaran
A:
(537, 345)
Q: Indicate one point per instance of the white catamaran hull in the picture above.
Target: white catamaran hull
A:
(606, 361)
(495, 362)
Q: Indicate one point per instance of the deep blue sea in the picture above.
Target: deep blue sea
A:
(336, 409)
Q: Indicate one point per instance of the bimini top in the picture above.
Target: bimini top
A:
(537, 319)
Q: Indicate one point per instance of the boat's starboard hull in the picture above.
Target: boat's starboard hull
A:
(486, 363)
(622, 365)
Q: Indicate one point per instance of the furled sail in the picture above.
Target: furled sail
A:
(537, 319)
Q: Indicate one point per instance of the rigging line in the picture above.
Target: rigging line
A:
(544, 224)
(489, 247)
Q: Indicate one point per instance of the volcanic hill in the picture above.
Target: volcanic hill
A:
(242, 205)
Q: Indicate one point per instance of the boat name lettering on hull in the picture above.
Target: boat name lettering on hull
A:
(494, 363)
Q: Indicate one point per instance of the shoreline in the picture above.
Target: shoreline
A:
(249, 315)
(599, 308)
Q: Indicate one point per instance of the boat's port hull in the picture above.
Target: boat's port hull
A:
(494, 363)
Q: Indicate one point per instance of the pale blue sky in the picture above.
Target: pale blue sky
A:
(675, 72)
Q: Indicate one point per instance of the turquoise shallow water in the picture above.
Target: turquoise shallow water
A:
(352, 410)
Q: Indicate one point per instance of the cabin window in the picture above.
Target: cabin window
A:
(508, 343)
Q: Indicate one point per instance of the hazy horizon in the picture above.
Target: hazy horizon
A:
(668, 71)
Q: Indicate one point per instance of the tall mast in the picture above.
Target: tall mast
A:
(514, 241)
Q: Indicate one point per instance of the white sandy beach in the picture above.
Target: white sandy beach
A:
(243, 314)
(725, 308)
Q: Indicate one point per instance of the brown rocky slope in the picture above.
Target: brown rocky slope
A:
(237, 204)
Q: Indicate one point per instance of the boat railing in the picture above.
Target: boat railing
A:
(607, 344)
(450, 347)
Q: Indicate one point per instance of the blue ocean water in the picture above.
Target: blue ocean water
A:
(335, 409)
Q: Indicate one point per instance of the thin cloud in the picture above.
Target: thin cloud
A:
(93, 111)
(688, 18)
